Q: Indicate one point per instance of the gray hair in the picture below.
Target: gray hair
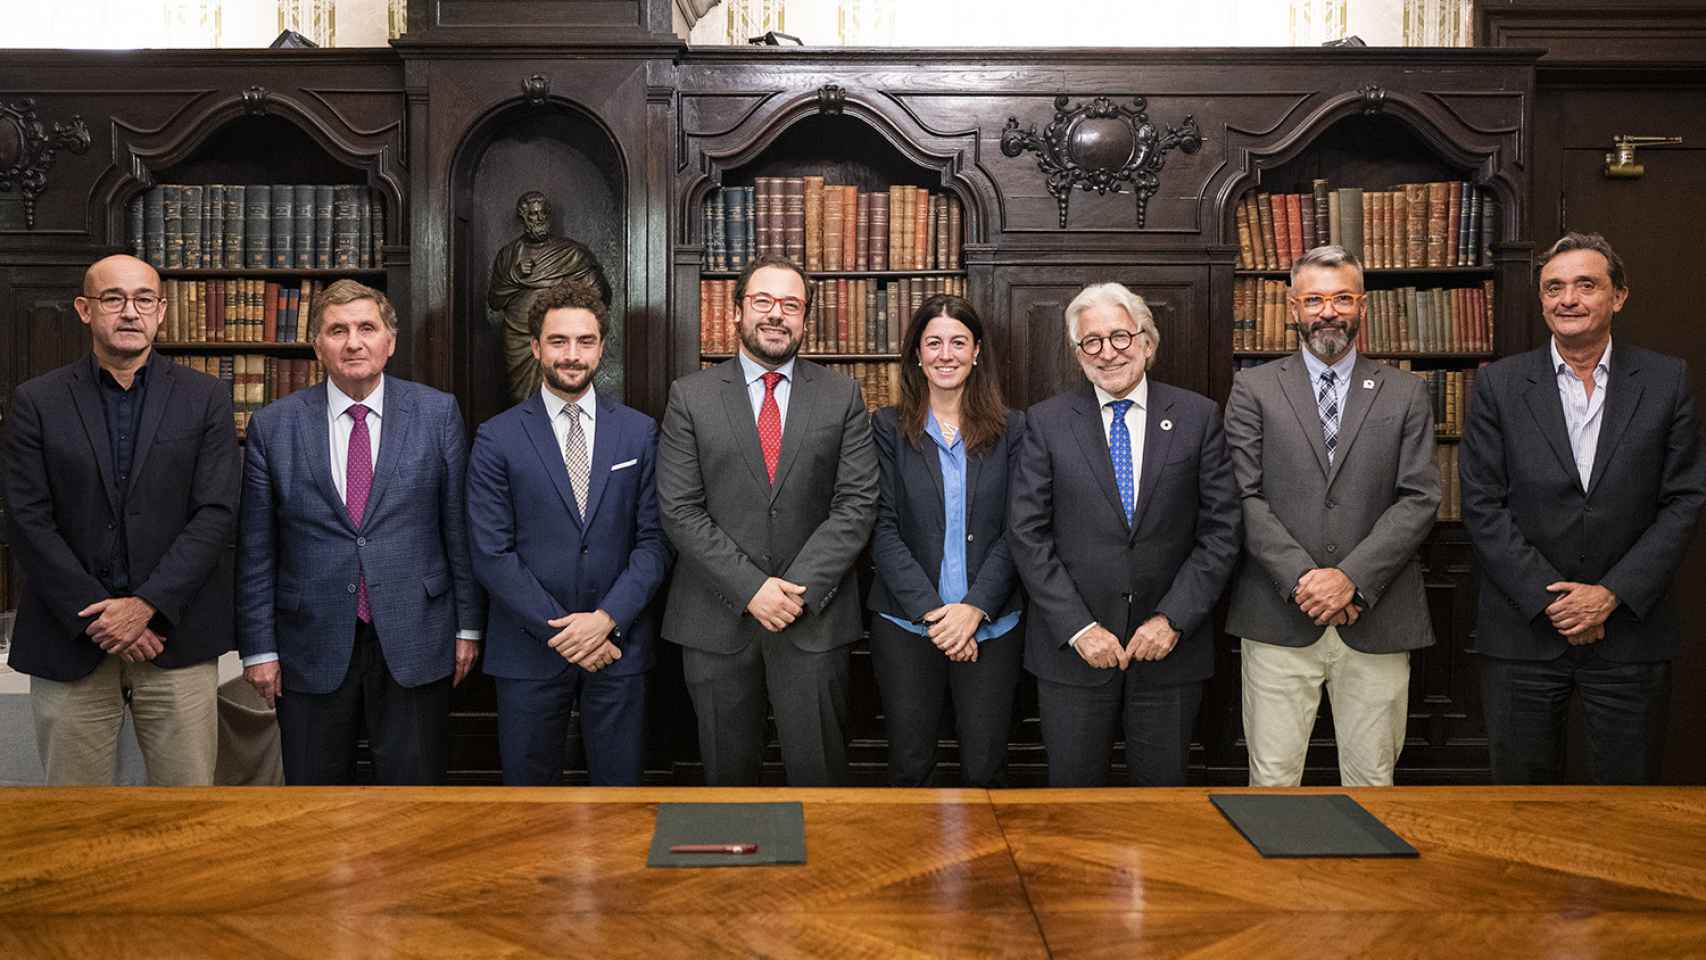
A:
(1588, 241)
(1329, 256)
(1114, 295)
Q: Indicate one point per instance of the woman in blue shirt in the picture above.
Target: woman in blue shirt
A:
(946, 596)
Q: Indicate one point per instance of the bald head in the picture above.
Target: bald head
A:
(121, 272)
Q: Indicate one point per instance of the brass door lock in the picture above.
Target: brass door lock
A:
(1620, 162)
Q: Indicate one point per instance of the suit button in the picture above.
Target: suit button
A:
(1332, 548)
(350, 588)
(585, 549)
(1331, 504)
(112, 526)
(970, 537)
(772, 514)
(361, 541)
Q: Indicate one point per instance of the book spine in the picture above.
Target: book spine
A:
(172, 215)
(880, 231)
(1335, 219)
(861, 230)
(956, 238)
(1454, 222)
(1323, 230)
(1306, 221)
(154, 225)
(231, 236)
(193, 226)
(323, 207)
(213, 213)
(778, 216)
(302, 226)
(283, 197)
(1351, 209)
(736, 223)
(814, 224)
(921, 229)
(364, 228)
(346, 234)
(794, 218)
(1439, 221)
(135, 228)
(1265, 216)
(376, 227)
(1294, 223)
(717, 229)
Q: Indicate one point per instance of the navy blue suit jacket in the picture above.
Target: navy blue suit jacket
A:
(535, 557)
(299, 556)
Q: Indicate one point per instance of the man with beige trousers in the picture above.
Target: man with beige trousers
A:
(1333, 456)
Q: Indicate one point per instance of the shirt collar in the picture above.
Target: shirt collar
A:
(933, 429)
(1341, 370)
(1559, 366)
(1139, 395)
(554, 404)
(339, 402)
(138, 380)
(752, 370)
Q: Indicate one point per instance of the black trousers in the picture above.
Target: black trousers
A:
(915, 681)
(408, 728)
(1078, 725)
(806, 690)
(1528, 701)
(533, 723)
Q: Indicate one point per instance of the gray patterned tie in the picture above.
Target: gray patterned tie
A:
(1329, 403)
(575, 458)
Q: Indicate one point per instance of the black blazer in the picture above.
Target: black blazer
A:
(1532, 523)
(912, 516)
(179, 515)
(1081, 562)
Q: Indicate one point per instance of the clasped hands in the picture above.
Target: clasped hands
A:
(121, 628)
(1326, 595)
(777, 604)
(1153, 640)
(953, 629)
(583, 639)
(1580, 612)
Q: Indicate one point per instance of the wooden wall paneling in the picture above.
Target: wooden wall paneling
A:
(1641, 32)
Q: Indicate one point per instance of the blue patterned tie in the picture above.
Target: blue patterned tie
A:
(1119, 447)
(1328, 400)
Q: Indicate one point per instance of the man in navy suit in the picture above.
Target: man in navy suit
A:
(563, 519)
(1582, 482)
(356, 603)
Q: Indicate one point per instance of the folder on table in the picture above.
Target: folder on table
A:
(1309, 825)
(779, 830)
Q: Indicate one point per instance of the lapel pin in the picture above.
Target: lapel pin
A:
(1166, 424)
(1368, 384)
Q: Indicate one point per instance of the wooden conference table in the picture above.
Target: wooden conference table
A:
(477, 872)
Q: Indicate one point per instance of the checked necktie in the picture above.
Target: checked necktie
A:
(575, 458)
(1328, 400)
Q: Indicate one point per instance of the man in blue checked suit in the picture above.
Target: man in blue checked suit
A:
(563, 517)
(356, 604)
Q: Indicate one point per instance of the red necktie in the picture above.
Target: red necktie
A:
(770, 424)
(358, 480)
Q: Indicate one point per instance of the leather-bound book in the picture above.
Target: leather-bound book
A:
(880, 230)
(1439, 222)
(794, 218)
(1323, 230)
(236, 216)
(814, 224)
(283, 198)
(849, 227)
(956, 238)
(323, 226)
(1265, 216)
(213, 226)
(832, 232)
(861, 230)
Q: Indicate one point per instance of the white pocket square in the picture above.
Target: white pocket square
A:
(624, 464)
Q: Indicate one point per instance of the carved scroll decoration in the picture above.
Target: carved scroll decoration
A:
(27, 149)
(1101, 147)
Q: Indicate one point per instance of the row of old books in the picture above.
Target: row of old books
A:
(831, 227)
(879, 380)
(257, 380)
(1403, 320)
(848, 315)
(236, 226)
(237, 310)
(1412, 226)
(1448, 392)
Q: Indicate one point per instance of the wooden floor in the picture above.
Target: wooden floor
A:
(476, 872)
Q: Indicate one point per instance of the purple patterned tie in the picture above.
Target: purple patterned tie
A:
(358, 480)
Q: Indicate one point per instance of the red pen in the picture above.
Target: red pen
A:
(714, 848)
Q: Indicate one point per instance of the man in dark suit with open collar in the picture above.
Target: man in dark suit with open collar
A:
(563, 521)
(1123, 525)
(356, 603)
(122, 476)
(767, 479)
(1582, 481)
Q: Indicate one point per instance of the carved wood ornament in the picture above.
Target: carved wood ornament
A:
(1101, 146)
(27, 149)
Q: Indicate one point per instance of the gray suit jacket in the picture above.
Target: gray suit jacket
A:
(1366, 515)
(734, 529)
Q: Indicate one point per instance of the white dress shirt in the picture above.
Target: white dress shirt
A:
(1136, 423)
(754, 373)
(1341, 379)
(588, 404)
(1582, 412)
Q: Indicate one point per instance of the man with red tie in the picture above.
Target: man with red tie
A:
(767, 481)
(356, 603)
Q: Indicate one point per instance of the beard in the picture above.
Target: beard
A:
(1330, 338)
(575, 381)
(755, 345)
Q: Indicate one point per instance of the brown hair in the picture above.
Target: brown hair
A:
(571, 294)
(983, 412)
(349, 291)
(772, 260)
(1588, 241)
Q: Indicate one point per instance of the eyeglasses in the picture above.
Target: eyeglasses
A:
(1341, 302)
(763, 302)
(1119, 340)
(114, 302)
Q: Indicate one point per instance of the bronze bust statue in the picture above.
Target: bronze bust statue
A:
(525, 267)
